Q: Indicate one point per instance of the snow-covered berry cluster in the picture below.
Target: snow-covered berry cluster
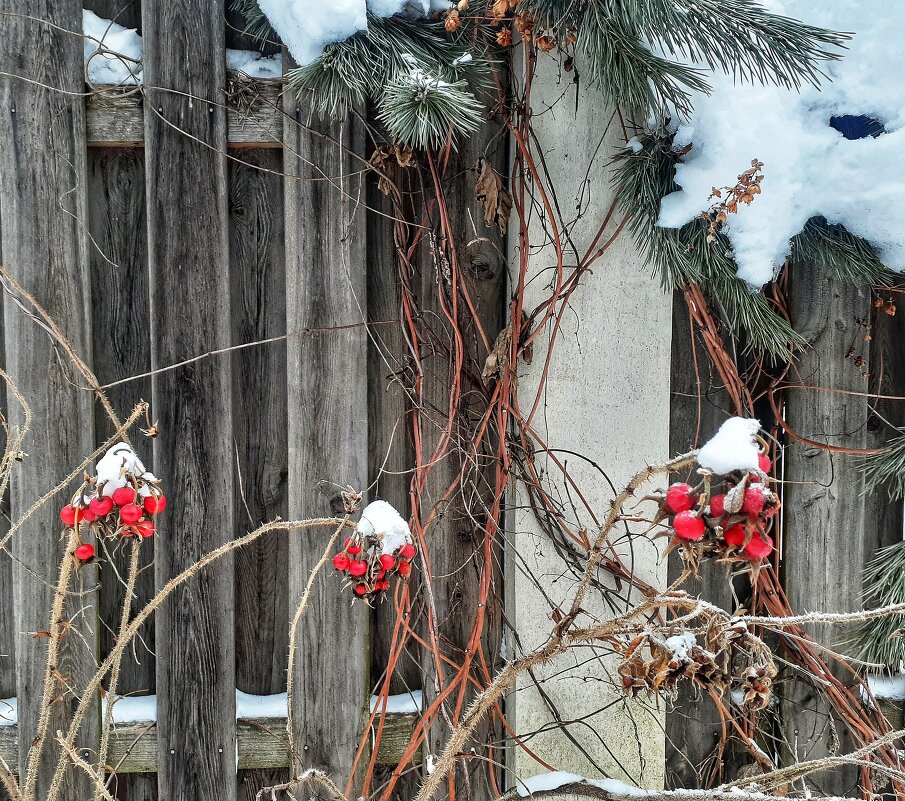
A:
(729, 516)
(380, 547)
(119, 501)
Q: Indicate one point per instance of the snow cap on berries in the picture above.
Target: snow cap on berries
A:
(116, 465)
(733, 447)
(378, 518)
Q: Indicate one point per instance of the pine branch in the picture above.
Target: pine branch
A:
(887, 468)
(879, 641)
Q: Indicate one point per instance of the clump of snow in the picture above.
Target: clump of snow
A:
(122, 65)
(9, 711)
(254, 64)
(261, 706)
(545, 782)
(380, 518)
(891, 688)
(680, 645)
(733, 447)
(133, 708)
(403, 704)
(634, 144)
(143, 708)
(810, 169)
(308, 26)
(114, 469)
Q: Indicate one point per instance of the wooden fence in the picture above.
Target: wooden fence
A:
(158, 226)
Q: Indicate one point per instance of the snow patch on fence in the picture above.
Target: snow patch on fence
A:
(810, 169)
(403, 704)
(9, 711)
(545, 782)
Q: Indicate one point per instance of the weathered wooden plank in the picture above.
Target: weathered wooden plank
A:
(116, 116)
(328, 438)
(190, 315)
(258, 277)
(7, 622)
(262, 745)
(824, 543)
(42, 182)
(455, 539)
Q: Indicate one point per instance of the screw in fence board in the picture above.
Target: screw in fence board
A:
(258, 281)
(324, 199)
(42, 182)
(824, 542)
(696, 412)
(185, 164)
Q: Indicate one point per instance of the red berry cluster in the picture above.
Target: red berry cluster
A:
(367, 568)
(121, 514)
(733, 523)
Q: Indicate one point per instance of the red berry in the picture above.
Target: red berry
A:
(761, 546)
(130, 513)
(764, 463)
(404, 568)
(360, 589)
(688, 526)
(754, 500)
(67, 514)
(735, 536)
(144, 528)
(358, 568)
(84, 552)
(155, 504)
(382, 585)
(123, 496)
(717, 505)
(387, 562)
(87, 515)
(341, 561)
(680, 497)
(101, 507)
(408, 551)
(382, 573)
(353, 547)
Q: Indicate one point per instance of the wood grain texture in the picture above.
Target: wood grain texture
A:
(190, 315)
(42, 182)
(328, 412)
(258, 278)
(116, 117)
(7, 621)
(824, 542)
(455, 538)
(692, 722)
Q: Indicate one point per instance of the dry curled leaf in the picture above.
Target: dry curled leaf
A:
(383, 157)
(498, 358)
(493, 196)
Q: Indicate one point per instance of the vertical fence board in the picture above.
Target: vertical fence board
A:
(692, 722)
(7, 621)
(42, 177)
(327, 405)
(190, 308)
(824, 543)
(454, 539)
(258, 279)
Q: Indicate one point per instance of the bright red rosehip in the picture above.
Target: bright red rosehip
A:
(735, 536)
(404, 568)
(101, 507)
(87, 515)
(754, 501)
(387, 562)
(688, 526)
(358, 568)
(353, 547)
(155, 504)
(144, 529)
(382, 585)
(84, 552)
(341, 561)
(382, 573)
(67, 514)
(360, 589)
(680, 497)
(717, 505)
(764, 463)
(130, 513)
(408, 551)
(760, 547)
(123, 496)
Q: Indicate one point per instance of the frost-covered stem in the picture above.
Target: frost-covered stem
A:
(138, 621)
(829, 618)
(293, 633)
(96, 778)
(612, 519)
(582, 790)
(8, 780)
(311, 775)
(53, 647)
(137, 412)
(114, 671)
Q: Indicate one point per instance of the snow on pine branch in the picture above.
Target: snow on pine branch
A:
(810, 168)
